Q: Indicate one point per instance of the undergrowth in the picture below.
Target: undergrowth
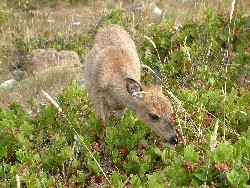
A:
(206, 68)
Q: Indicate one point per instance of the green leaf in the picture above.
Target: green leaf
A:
(135, 180)
(50, 181)
(164, 155)
(144, 167)
(156, 180)
(182, 177)
(65, 153)
(20, 155)
(3, 151)
(190, 154)
(178, 160)
(26, 128)
(30, 101)
(157, 151)
(244, 173)
(234, 178)
(91, 163)
(75, 163)
(223, 152)
(201, 175)
(117, 179)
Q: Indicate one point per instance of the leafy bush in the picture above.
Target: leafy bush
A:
(72, 148)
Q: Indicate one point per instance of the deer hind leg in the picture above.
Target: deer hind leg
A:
(100, 106)
(102, 109)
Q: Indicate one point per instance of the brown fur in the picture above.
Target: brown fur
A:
(112, 77)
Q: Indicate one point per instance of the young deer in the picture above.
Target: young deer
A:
(112, 77)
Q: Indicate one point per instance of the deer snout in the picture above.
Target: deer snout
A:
(174, 140)
(170, 136)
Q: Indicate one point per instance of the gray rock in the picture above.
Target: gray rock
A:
(8, 84)
(18, 74)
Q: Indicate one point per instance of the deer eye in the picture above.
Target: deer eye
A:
(154, 117)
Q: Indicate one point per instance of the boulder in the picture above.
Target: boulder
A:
(43, 59)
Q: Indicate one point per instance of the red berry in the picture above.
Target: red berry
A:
(95, 146)
(74, 171)
(123, 151)
(98, 179)
(141, 154)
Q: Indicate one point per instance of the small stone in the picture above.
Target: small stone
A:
(75, 23)
(157, 11)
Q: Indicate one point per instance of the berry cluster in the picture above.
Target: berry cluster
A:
(222, 166)
(188, 165)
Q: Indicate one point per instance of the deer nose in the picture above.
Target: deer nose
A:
(174, 140)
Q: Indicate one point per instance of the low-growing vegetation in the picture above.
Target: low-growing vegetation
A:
(206, 74)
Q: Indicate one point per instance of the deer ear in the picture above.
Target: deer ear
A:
(157, 76)
(134, 88)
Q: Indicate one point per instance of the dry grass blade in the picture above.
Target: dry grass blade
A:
(213, 140)
(232, 10)
(63, 172)
(18, 183)
(186, 50)
(152, 42)
(52, 101)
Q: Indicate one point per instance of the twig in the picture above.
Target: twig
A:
(71, 155)
(124, 184)
(224, 107)
(63, 172)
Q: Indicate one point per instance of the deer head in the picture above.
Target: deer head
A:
(152, 106)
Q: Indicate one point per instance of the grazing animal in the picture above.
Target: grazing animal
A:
(112, 78)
